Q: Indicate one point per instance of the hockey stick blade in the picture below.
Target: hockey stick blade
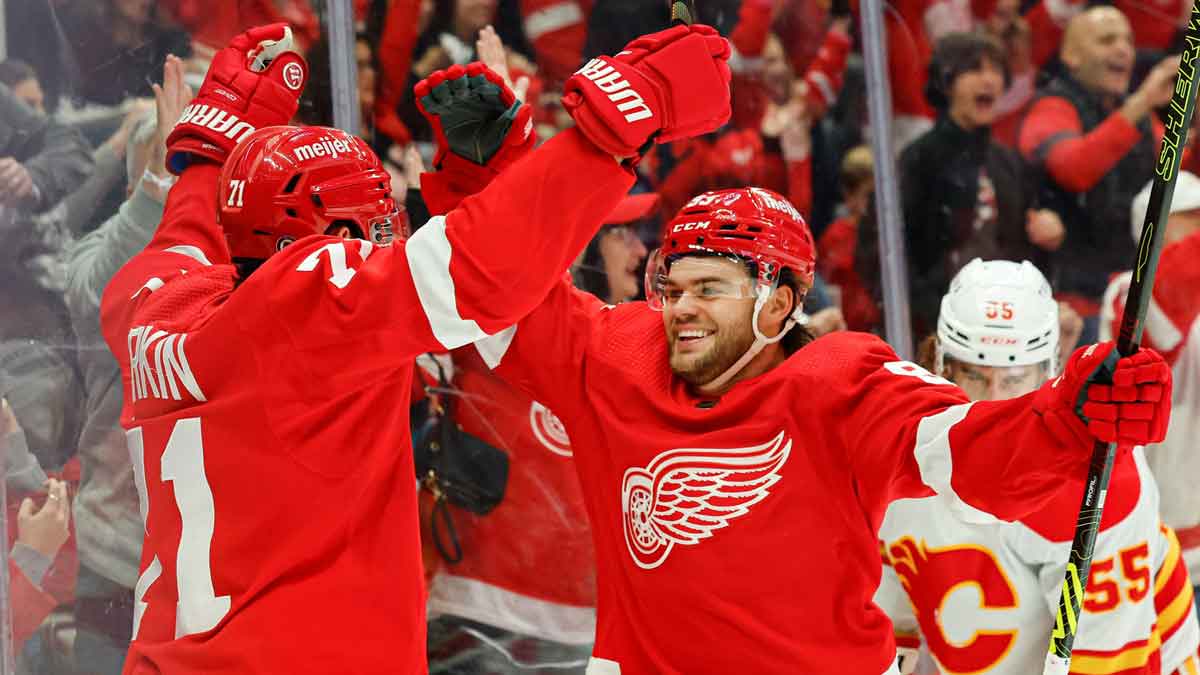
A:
(1145, 265)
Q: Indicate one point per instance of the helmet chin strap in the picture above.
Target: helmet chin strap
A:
(763, 292)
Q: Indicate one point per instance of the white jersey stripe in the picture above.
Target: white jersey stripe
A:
(494, 347)
(428, 253)
(937, 465)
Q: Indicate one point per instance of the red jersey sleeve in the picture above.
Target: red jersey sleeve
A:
(1174, 305)
(395, 56)
(908, 433)
(1053, 136)
(30, 605)
(461, 277)
(187, 239)
(544, 353)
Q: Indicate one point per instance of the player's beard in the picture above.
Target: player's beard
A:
(729, 343)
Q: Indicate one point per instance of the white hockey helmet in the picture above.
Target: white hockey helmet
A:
(999, 313)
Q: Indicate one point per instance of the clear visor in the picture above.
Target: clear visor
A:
(992, 383)
(703, 279)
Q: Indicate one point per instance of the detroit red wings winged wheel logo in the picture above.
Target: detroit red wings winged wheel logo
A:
(684, 496)
(549, 430)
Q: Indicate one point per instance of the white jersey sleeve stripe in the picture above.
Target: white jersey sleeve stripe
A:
(428, 253)
(494, 347)
(552, 18)
(937, 464)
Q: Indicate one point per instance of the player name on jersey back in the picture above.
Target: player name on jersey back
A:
(159, 366)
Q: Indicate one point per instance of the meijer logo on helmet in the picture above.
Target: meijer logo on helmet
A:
(609, 81)
(326, 147)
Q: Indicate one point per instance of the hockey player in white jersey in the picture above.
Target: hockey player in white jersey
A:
(981, 593)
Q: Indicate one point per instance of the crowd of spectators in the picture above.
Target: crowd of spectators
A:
(1024, 130)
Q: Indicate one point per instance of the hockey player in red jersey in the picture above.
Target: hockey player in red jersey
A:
(735, 477)
(983, 594)
(266, 403)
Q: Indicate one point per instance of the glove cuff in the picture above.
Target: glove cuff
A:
(455, 180)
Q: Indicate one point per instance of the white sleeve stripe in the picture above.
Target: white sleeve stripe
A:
(821, 82)
(937, 464)
(552, 18)
(428, 252)
(494, 347)
(191, 252)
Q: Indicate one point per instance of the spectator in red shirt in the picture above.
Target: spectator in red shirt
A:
(839, 242)
(1095, 147)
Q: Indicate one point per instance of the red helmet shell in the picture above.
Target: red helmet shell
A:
(752, 223)
(284, 183)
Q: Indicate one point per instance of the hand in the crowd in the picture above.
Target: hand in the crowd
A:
(490, 51)
(1155, 91)
(170, 99)
(8, 420)
(826, 321)
(1103, 397)
(253, 83)
(45, 530)
(673, 84)
(1070, 327)
(414, 166)
(778, 118)
(434, 58)
(119, 141)
(1045, 229)
(16, 185)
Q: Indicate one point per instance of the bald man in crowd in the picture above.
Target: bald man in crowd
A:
(1094, 144)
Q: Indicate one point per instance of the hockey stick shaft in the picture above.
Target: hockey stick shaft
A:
(683, 12)
(1141, 287)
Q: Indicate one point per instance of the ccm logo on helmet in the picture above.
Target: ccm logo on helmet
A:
(609, 81)
(1003, 341)
(326, 147)
(697, 225)
(220, 121)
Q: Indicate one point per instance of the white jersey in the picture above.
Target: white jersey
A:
(983, 596)
(1173, 328)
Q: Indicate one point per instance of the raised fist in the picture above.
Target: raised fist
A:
(255, 82)
(662, 87)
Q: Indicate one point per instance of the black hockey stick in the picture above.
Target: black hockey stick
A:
(683, 12)
(1145, 264)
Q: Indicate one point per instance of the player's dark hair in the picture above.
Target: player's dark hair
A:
(958, 53)
(799, 335)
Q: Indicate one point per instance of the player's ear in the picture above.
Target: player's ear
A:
(340, 231)
(777, 308)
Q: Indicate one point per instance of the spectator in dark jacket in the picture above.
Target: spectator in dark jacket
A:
(1095, 148)
(963, 195)
(40, 160)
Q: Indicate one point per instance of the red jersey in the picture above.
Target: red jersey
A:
(528, 566)
(268, 421)
(740, 536)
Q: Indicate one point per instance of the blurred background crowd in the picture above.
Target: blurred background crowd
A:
(1023, 129)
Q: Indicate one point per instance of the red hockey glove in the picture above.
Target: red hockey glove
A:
(255, 82)
(1099, 396)
(480, 128)
(664, 86)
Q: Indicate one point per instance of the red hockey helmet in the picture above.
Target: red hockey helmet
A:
(750, 223)
(281, 184)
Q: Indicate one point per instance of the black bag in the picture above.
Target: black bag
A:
(457, 468)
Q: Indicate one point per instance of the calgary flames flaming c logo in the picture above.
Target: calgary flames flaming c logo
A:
(931, 575)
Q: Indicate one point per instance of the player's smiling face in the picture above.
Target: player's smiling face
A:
(708, 304)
